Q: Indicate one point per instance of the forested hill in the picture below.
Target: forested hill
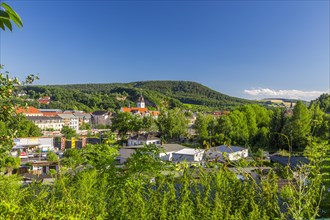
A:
(157, 94)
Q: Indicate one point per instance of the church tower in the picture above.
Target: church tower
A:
(140, 102)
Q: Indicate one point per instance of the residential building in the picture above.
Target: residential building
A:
(47, 123)
(29, 111)
(70, 120)
(188, 154)
(83, 117)
(223, 152)
(101, 118)
(167, 151)
(294, 161)
(44, 100)
(50, 112)
(143, 139)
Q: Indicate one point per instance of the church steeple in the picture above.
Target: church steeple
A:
(140, 102)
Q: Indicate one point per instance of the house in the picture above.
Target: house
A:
(125, 153)
(167, 151)
(101, 118)
(83, 117)
(188, 154)
(50, 112)
(47, 123)
(44, 167)
(29, 111)
(294, 161)
(44, 100)
(70, 120)
(143, 139)
(224, 152)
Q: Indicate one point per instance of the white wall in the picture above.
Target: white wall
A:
(182, 157)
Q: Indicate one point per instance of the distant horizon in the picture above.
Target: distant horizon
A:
(245, 49)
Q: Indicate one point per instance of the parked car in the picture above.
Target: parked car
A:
(23, 155)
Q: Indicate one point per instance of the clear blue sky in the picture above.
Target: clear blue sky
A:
(247, 49)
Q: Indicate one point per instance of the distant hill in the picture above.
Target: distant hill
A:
(157, 94)
(282, 102)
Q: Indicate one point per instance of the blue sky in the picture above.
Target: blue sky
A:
(250, 49)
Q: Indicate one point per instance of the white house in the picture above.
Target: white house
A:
(223, 152)
(188, 154)
(70, 120)
(83, 117)
(167, 151)
(44, 123)
(143, 139)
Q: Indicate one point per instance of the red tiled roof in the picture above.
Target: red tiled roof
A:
(28, 110)
(141, 110)
(154, 113)
(50, 114)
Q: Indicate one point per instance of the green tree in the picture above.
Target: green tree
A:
(68, 132)
(101, 156)
(278, 120)
(122, 123)
(203, 127)
(24, 127)
(172, 124)
(145, 161)
(51, 156)
(298, 127)
(85, 126)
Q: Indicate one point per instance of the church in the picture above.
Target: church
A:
(141, 109)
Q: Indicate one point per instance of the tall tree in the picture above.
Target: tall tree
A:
(172, 123)
(298, 127)
(202, 125)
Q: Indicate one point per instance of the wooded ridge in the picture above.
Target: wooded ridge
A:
(157, 94)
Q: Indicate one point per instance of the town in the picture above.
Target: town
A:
(132, 133)
(164, 110)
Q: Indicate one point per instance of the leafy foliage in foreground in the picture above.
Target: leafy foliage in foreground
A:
(92, 193)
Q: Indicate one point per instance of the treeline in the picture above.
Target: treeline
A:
(158, 94)
(278, 128)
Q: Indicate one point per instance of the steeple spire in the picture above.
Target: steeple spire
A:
(141, 103)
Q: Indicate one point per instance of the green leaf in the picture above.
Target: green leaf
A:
(4, 15)
(1, 24)
(13, 15)
(7, 23)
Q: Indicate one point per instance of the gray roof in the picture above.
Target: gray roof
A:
(144, 137)
(126, 152)
(43, 118)
(227, 149)
(171, 147)
(66, 115)
(217, 152)
(100, 112)
(83, 115)
(50, 110)
(294, 161)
